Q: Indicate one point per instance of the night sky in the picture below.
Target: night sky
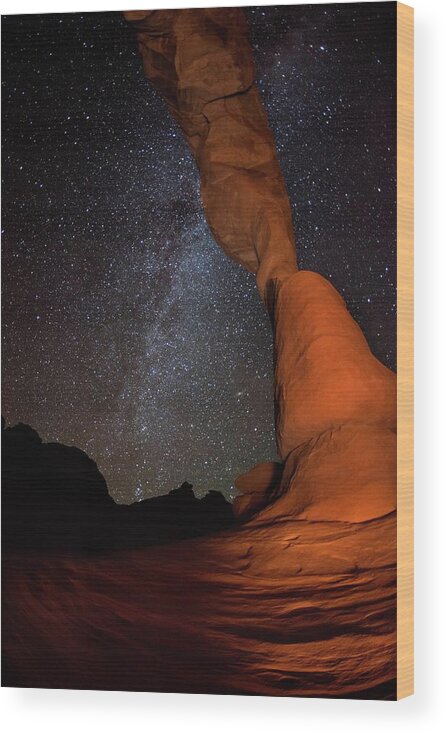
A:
(126, 331)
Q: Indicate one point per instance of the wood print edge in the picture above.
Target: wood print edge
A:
(405, 352)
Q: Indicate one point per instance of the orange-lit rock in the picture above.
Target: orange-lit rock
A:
(335, 403)
(293, 608)
(317, 551)
(201, 62)
(335, 409)
(325, 374)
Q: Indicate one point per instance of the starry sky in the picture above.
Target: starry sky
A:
(126, 331)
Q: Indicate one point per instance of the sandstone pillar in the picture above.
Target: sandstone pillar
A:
(334, 402)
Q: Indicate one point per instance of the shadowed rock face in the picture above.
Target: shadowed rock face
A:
(257, 488)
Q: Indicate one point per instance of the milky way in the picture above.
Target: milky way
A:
(127, 332)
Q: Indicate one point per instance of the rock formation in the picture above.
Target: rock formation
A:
(295, 608)
(300, 597)
(54, 498)
(335, 403)
(201, 62)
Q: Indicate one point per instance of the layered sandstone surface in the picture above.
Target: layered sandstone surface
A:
(297, 608)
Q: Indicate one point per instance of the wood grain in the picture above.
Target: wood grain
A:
(405, 204)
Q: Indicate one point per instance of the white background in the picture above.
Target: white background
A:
(39, 711)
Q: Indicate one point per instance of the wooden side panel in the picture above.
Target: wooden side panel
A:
(405, 517)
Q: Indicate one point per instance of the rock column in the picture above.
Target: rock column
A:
(334, 402)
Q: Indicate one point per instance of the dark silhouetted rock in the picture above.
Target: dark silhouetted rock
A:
(55, 497)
